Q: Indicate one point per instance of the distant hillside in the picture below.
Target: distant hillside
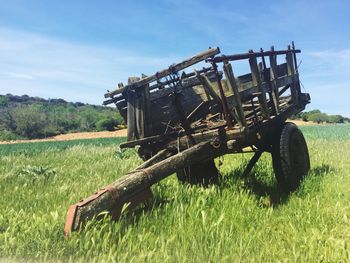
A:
(28, 117)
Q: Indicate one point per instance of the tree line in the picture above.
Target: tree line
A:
(321, 117)
(24, 117)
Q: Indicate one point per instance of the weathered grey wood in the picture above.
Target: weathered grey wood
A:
(189, 83)
(163, 112)
(283, 90)
(246, 81)
(187, 80)
(273, 79)
(248, 55)
(291, 72)
(160, 156)
(193, 114)
(138, 112)
(123, 189)
(257, 81)
(174, 68)
(208, 87)
(181, 116)
(142, 141)
(234, 89)
(246, 93)
(265, 72)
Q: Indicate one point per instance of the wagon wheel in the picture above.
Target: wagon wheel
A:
(203, 173)
(290, 157)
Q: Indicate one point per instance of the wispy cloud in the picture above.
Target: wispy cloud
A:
(325, 75)
(333, 55)
(39, 65)
(328, 63)
(17, 75)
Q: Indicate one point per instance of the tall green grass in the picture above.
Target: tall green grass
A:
(242, 219)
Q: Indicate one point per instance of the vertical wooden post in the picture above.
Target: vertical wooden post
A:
(291, 72)
(138, 111)
(223, 98)
(273, 79)
(257, 82)
(296, 68)
(232, 84)
(267, 80)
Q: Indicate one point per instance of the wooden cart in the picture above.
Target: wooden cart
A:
(181, 120)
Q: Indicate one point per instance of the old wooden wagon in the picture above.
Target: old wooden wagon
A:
(179, 121)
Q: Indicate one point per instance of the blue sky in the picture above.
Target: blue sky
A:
(77, 50)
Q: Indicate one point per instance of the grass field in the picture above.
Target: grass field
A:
(242, 219)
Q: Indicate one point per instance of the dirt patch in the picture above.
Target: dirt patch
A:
(303, 123)
(76, 136)
(107, 134)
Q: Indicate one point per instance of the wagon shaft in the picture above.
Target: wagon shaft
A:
(134, 187)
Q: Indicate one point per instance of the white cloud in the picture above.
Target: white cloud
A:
(17, 75)
(324, 74)
(343, 55)
(42, 66)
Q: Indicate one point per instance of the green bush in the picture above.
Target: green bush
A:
(6, 135)
(108, 124)
(318, 117)
(3, 101)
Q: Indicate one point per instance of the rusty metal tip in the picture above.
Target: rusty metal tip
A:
(69, 225)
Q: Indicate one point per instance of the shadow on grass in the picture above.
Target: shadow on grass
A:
(312, 183)
(261, 184)
(265, 187)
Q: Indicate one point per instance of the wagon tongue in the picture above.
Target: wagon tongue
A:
(134, 188)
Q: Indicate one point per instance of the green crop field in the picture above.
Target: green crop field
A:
(242, 219)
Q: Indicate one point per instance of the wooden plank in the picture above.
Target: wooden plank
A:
(257, 81)
(232, 84)
(249, 55)
(265, 73)
(208, 87)
(192, 116)
(187, 83)
(291, 72)
(162, 111)
(131, 113)
(246, 80)
(174, 68)
(273, 79)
